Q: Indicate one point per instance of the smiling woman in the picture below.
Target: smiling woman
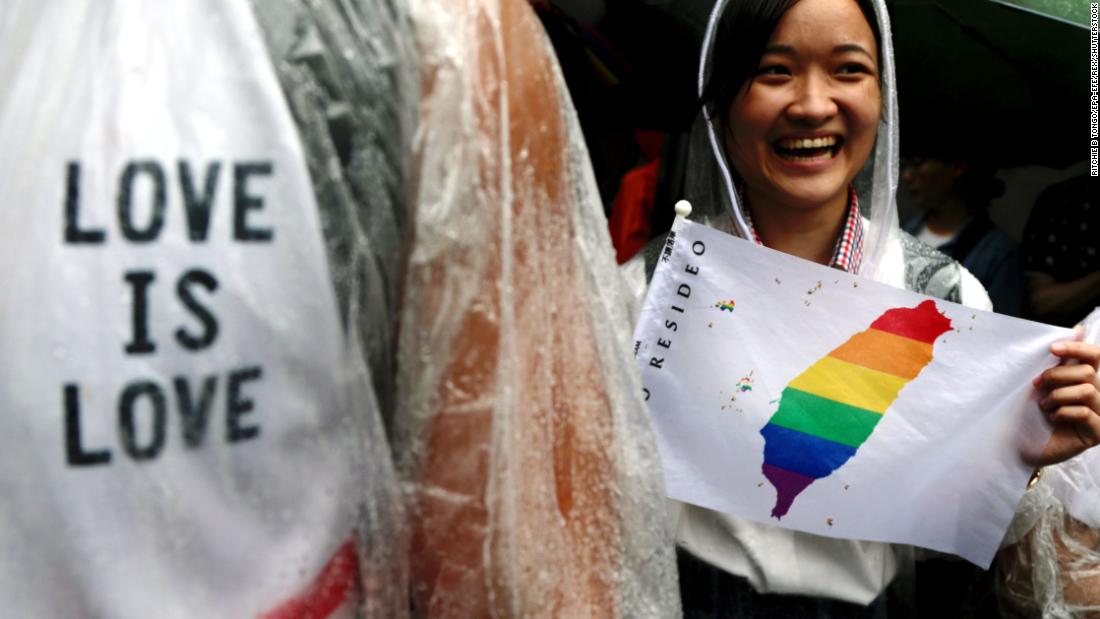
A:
(795, 148)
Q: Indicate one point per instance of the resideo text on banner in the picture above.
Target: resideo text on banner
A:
(683, 290)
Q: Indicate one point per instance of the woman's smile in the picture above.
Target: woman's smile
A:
(818, 148)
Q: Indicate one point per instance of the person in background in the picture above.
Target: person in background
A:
(953, 195)
(1060, 254)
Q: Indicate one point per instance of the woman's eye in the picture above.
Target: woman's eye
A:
(773, 69)
(853, 68)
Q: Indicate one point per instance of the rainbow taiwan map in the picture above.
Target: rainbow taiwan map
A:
(827, 412)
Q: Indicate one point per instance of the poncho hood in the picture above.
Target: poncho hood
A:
(710, 185)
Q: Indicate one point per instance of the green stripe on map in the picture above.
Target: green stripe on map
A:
(828, 419)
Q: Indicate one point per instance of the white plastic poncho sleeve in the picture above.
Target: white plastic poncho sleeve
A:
(183, 418)
(533, 473)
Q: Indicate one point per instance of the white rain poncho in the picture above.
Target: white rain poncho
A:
(189, 427)
(531, 467)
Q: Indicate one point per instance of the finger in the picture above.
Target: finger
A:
(1083, 394)
(1072, 414)
(1064, 375)
(1085, 353)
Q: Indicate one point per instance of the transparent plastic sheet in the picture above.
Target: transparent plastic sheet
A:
(1050, 566)
(1053, 568)
(268, 527)
(533, 475)
(348, 70)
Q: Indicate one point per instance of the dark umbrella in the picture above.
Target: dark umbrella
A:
(1072, 11)
(992, 81)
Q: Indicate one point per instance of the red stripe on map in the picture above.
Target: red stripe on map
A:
(922, 323)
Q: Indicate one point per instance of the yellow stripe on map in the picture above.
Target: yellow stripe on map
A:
(850, 384)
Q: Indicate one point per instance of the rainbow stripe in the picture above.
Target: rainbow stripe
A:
(829, 410)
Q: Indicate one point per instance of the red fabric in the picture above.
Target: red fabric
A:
(328, 592)
(632, 212)
(650, 143)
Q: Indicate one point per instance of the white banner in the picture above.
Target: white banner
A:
(790, 393)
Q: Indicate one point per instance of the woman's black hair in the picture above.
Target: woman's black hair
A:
(742, 34)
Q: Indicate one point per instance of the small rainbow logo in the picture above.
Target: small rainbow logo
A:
(726, 306)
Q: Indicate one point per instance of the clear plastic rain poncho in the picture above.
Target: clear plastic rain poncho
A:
(533, 475)
(189, 425)
(349, 74)
(1051, 565)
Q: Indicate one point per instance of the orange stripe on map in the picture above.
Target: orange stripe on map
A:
(885, 352)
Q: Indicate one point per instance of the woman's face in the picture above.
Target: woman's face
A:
(803, 127)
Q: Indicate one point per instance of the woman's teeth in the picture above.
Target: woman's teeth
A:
(807, 143)
(807, 149)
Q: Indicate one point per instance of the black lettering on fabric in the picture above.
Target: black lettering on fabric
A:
(194, 415)
(73, 233)
(244, 201)
(127, 420)
(75, 454)
(198, 207)
(184, 287)
(238, 405)
(139, 313)
(130, 174)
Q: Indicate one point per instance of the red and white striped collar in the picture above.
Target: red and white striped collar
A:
(848, 251)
